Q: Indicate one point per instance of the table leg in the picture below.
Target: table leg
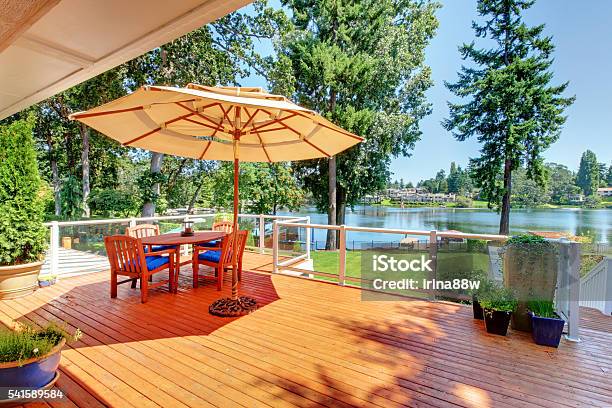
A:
(178, 269)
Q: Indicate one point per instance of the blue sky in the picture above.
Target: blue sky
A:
(581, 30)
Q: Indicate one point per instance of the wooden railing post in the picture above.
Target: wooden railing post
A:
(433, 255)
(275, 246)
(54, 248)
(342, 256)
(132, 222)
(262, 233)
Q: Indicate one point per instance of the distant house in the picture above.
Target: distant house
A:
(604, 192)
(575, 198)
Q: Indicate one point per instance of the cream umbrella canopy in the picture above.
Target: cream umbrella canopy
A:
(219, 123)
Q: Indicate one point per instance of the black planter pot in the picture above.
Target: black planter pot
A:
(497, 321)
(546, 331)
(477, 308)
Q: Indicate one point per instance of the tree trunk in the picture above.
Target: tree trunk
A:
(331, 242)
(331, 211)
(85, 134)
(195, 195)
(341, 206)
(148, 209)
(504, 221)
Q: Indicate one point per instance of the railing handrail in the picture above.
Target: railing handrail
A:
(443, 234)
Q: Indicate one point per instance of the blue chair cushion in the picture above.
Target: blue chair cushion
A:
(210, 256)
(159, 248)
(210, 244)
(154, 262)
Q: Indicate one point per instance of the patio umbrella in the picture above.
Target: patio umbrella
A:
(219, 123)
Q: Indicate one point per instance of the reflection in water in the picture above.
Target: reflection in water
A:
(594, 223)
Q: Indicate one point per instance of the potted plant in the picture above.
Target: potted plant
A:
(547, 326)
(29, 357)
(47, 280)
(530, 269)
(497, 303)
(23, 236)
(484, 285)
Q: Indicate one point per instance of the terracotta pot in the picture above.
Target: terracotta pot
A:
(19, 280)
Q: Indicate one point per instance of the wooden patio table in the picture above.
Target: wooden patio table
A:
(176, 239)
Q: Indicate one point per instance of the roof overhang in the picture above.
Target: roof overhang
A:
(47, 46)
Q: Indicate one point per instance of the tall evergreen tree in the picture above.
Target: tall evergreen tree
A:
(360, 64)
(511, 107)
(588, 173)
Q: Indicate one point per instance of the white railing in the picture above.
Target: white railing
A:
(290, 263)
(596, 287)
(59, 267)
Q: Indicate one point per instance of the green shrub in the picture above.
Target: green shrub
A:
(23, 237)
(464, 202)
(110, 202)
(498, 298)
(72, 198)
(29, 342)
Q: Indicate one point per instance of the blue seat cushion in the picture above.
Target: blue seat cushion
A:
(154, 262)
(210, 256)
(210, 244)
(159, 248)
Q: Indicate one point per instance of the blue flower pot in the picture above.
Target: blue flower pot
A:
(32, 373)
(546, 330)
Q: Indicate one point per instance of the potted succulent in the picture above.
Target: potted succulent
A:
(530, 269)
(547, 326)
(29, 357)
(23, 236)
(497, 303)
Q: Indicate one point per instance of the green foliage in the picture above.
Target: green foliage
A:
(72, 198)
(464, 202)
(362, 66)
(30, 342)
(588, 173)
(145, 183)
(23, 238)
(264, 188)
(562, 183)
(527, 192)
(112, 203)
(592, 201)
(542, 308)
(509, 103)
(497, 297)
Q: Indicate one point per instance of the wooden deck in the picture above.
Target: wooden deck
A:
(310, 344)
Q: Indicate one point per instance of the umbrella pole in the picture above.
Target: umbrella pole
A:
(235, 305)
(235, 230)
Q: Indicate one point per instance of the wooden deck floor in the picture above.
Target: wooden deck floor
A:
(310, 344)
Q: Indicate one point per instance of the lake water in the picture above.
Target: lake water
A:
(595, 223)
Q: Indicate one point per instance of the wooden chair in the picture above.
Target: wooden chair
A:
(215, 258)
(242, 239)
(147, 230)
(127, 257)
(225, 226)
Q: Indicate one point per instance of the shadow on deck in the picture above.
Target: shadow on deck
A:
(310, 344)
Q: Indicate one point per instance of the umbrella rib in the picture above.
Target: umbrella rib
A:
(111, 112)
(248, 122)
(202, 124)
(263, 147)
(319, 149)
(342, 132)
(200, 115)
(279, 121)
(205, 150)
(141, 136)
